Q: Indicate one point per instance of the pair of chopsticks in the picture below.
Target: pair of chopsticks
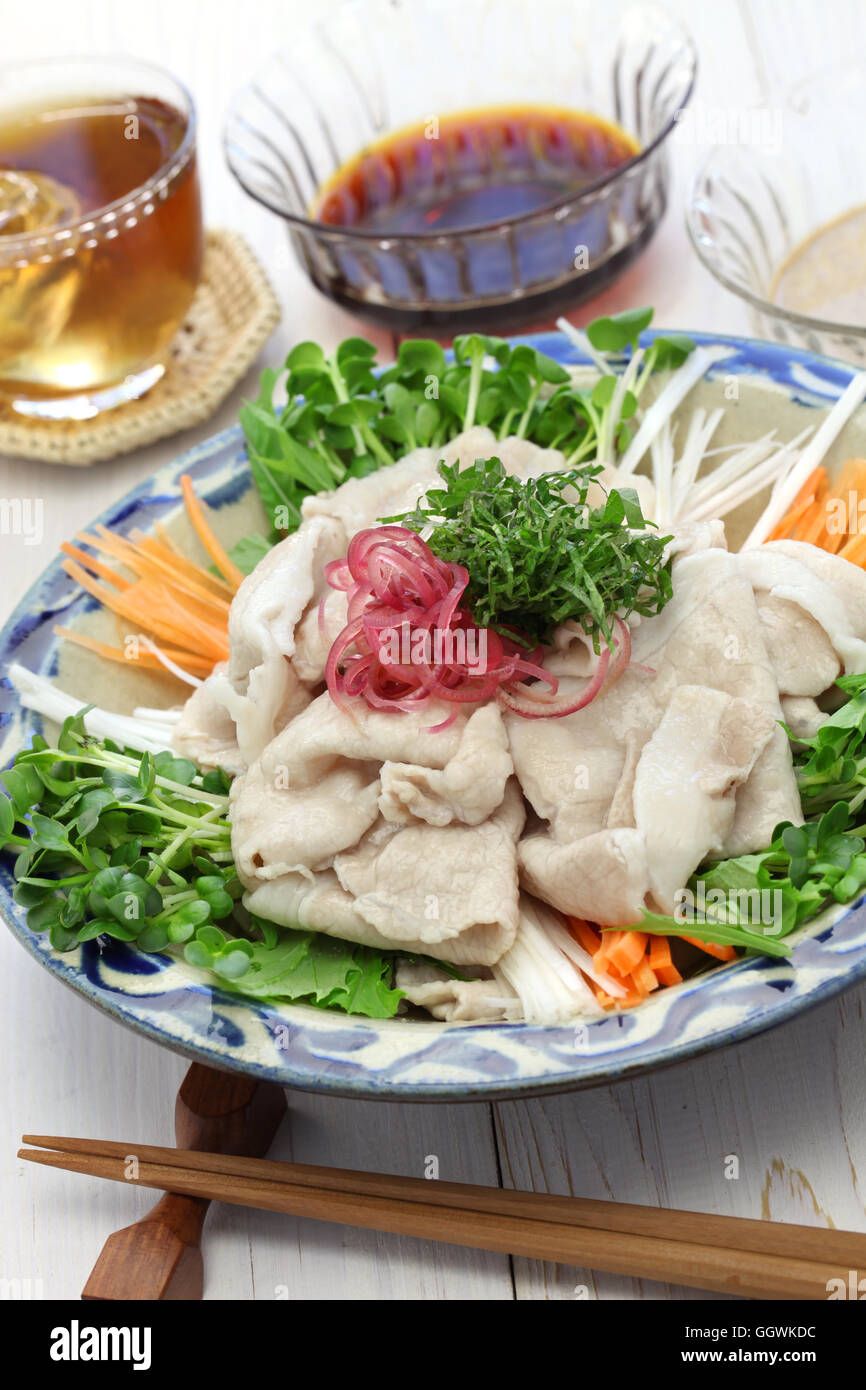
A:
(725, 1254)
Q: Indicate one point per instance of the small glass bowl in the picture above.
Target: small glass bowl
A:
(755, 202)
(90, 301)
(376, 66)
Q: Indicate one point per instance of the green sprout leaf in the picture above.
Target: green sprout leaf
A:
(619, 331)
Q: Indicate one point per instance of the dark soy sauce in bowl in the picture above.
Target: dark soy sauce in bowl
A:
(490, 212)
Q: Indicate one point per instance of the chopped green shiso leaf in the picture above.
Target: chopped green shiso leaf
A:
(537, 559)
(345, 417)
(110, 843)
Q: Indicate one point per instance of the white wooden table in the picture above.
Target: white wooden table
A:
(790, 1106)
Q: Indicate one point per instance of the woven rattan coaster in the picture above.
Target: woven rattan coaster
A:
(233, 312)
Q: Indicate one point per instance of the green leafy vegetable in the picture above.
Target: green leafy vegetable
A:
(537, 558)
(619, 331)
(345, 417)
(248, 551)
(308, 967)
(831, 766)
(112, 844)
(807, 868)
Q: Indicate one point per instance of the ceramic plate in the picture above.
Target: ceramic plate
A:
(762, 385)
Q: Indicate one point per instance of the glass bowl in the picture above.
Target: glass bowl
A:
(754, 203)
(92, 287)
(376, 66)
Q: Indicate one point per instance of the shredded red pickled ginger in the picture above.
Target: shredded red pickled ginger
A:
(409, 638)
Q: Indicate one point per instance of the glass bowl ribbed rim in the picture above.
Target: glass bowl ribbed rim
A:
(804, 323)
(588, 192)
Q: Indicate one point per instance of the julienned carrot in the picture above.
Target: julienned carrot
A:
(200, 601)
(822, 514)
(626, 952)
(152, 607)
(661, 961)
(712, 948)
(90, 562)
(194, 665)
(170, 597)
(854, 550)
(813, 528)
(644, 977)
(584, 935)
(648, 957)
(151, 613)
(802, 502)
(791, 518)
(154, 563)
(161, 550)
(627, 1001)
(607, 940)
(224, 564)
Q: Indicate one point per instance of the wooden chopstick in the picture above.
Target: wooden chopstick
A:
(716, 1253)
(735, 1232)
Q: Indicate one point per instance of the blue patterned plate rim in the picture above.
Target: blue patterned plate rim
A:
(415, 1060)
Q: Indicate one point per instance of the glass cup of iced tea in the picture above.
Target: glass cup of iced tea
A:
(100, 231)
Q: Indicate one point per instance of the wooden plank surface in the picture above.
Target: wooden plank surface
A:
(790, 1107)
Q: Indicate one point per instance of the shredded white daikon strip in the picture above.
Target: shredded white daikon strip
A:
(575, 952)
(159, 716)
(550, 987)
(611, 421)
(40, 694)
(783, 497)
(581, 342)
(725, 499)
(747, 457)
(167, 662)
(701, 430)
(683, 379)
(662, 451)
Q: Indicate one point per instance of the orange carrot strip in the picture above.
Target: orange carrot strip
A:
(95, 566)
(805, 523)
(600, 958)
(151, 616)
(168, 540)
(147, 566)
(584, 934)
(193, 665)
(188, 609)
(712, 949)
(812, 485)
(227, 567)
(156, 567)
(783, 530)
(627, 1001)
(851, 479)
(179, 620)
(181, 566)
(180, 603)
(627, 951)
(661, 961)
(854, 550)
(605, 1000)
(644, 977)
(832, 542)
(802, 502)
(815, 531)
